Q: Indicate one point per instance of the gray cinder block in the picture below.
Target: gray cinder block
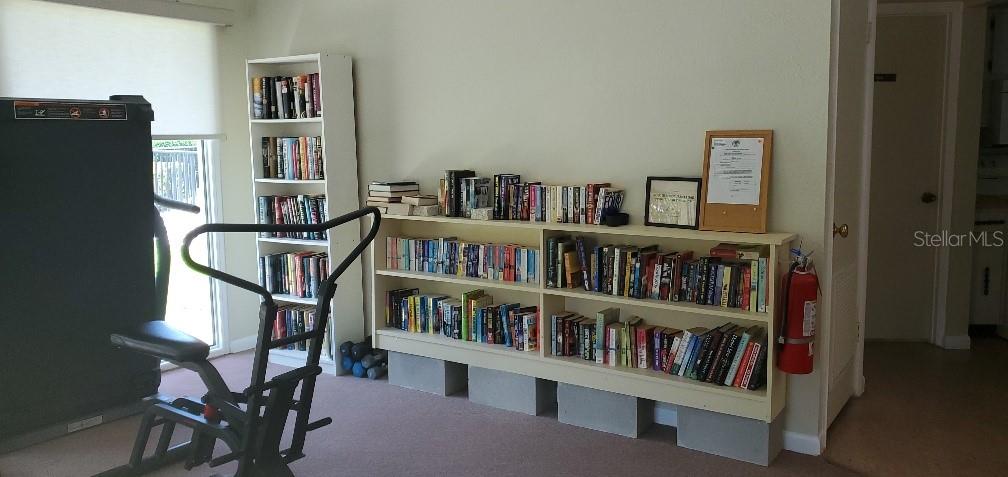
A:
(513, 392)
(604, 411)
(426, 374)
(740, 438)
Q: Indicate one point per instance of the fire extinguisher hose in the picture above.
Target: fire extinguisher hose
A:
(781, 338)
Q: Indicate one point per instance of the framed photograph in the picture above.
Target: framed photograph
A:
(673, 202)
(736, 180)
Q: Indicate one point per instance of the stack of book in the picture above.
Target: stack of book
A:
(297, 158)
(463, 193)
(730, 355)
(294, 273)
(730, 277)
(286, 97)
(292, 209)
(473, 317)
(388, 196)
(509, 263)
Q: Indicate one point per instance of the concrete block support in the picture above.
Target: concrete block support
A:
(512, 392)
(426, 374)
(739, 438)
(604, 411)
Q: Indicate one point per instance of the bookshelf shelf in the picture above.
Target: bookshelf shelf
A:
(286, 121)
(336, 127)
(439, 340)
(282, 60)
(763, 404)
(293, 241)
(665, 379)
(678, 306)
(476, 282)
(629, 230)
(290, 181)
(280, 297)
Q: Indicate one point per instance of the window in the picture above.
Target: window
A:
(182, 173)
(92, 53)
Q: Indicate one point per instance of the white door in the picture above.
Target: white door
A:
(906, 156)
(852, 89)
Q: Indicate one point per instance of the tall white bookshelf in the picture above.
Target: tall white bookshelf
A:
(763, 404)
(336, 126)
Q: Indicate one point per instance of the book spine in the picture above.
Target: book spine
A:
(317, 91)
(257, 98)
(761, 292)
(736, 359)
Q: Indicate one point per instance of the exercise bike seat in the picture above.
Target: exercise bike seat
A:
(157, 339)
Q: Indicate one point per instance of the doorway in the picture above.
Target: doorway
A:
(906, 170)
(181, 172)
(925, 125)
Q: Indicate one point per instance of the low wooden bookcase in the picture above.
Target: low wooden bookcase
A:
(763, 404)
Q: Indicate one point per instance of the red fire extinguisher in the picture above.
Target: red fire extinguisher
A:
(797, 329)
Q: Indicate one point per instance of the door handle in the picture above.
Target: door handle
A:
(928, 197)
(842, 230)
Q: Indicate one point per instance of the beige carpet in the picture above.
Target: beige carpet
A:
(384, 430)
(927, 411)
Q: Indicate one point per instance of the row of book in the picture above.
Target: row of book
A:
(464, 194)
(294, 273)
(730, 355)
(297, 158)
(286, 97)
(450, 256)
(295, 319)
(292, 209)
(731, 277)
(472, 317)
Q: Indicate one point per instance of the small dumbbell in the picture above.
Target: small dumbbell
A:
(359, 370)
(376, 372)
(347, 363)
(376, 358)
(359, 350)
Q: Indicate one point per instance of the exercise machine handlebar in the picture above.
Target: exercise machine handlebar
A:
(260, 290)
(174, 204)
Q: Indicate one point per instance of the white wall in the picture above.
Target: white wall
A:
(565, 92)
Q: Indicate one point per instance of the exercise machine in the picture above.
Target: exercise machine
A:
(250, 423)
(77, 263)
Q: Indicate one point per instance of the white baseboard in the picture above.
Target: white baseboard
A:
(956, 342)
(242, 344)
(802, 443)
(666, 414)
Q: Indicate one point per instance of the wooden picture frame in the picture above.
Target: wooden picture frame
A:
(731, 203)
(670, 211)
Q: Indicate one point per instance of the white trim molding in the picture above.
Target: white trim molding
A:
(808, 444)
(242, 344)
(957, 342)
(864, 214)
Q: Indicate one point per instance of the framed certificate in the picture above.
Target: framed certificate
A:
(736, 180)
(673, 202)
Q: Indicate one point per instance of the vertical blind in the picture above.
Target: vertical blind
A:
(53, 50)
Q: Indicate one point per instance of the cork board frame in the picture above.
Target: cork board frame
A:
(737, 217)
